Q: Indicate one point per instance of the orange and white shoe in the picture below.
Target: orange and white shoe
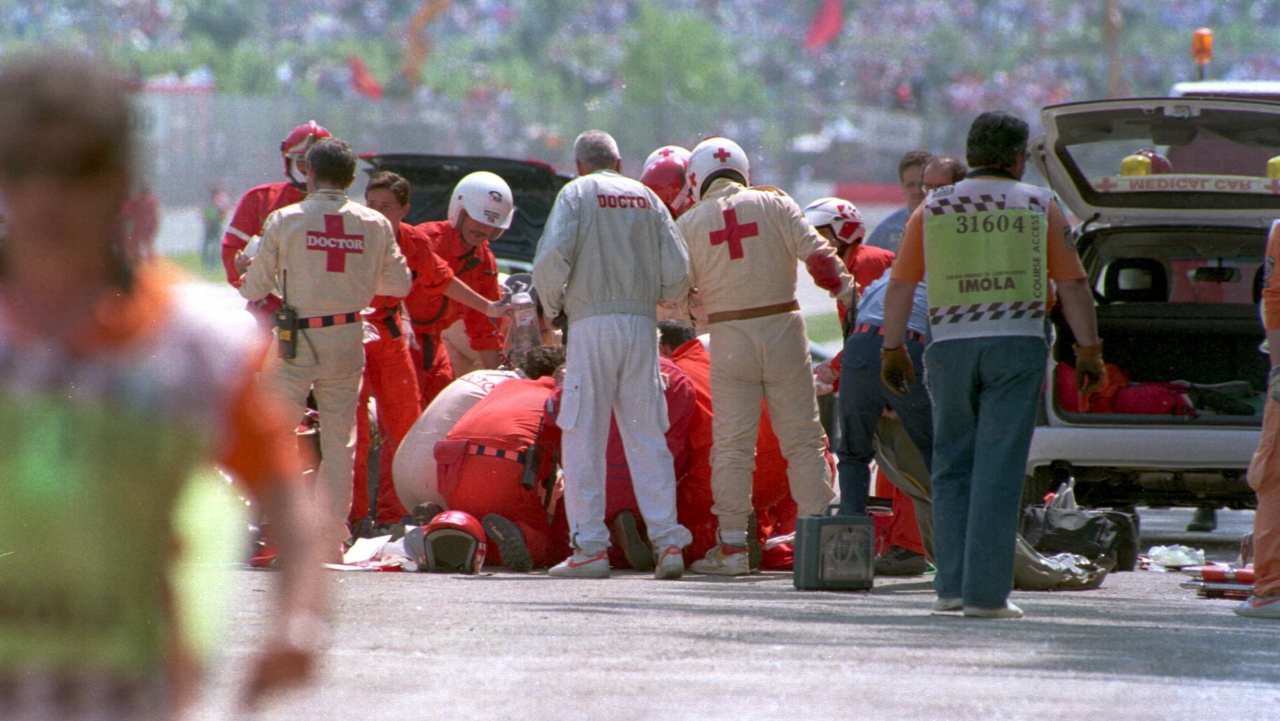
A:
(724, 560)
(580, 565)
(670, 564)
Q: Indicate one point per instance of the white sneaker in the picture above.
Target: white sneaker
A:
(724, 561)
(670, 564)
(946, 606)
(1259, 607)
(1008, 610)
(583, 566)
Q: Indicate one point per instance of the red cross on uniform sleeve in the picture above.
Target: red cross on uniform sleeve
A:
(733, 234)
(334, 242)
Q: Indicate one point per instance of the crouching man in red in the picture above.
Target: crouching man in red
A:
(498, 464)
(688, 432)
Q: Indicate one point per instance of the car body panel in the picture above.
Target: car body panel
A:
(1218, 149)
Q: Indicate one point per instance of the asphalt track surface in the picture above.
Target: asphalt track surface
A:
(510, 646)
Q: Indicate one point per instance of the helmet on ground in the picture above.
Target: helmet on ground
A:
(295, 145)
(843, 217)
(712, 156)
(453, 542)
(486, 197)
(665, 174)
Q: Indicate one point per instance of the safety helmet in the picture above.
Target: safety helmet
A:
(1159, 163)
(843, 217)
(295, 145)
(665, 174)
(453, 542)
(486, 197)
(710, 157)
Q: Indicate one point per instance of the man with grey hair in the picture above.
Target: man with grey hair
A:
(609, 254)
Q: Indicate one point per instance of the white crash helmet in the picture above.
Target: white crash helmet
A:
(486, 197)
(713, 155)
(843, 217)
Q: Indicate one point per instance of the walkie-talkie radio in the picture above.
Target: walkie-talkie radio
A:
(286, 319)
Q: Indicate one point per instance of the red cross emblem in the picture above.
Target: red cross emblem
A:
(335, 242)
(1106, 185)
(666, 152)
(721, 154)
(734, 234)
(1274, 186)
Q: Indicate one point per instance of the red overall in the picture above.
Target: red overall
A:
(391, 379)
(252, 210)
(432, 314)
(481, 464)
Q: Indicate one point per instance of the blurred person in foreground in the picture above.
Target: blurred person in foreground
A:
(991, 245)
(888, 234)
(743, 244)
(115, 401)
(329, 256)
(610, 253)
(1264, 470)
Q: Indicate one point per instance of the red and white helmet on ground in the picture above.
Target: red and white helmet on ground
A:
(453, 542)
(843, 217)
(295, 145)
(486, 197)
(665, 174)
(712, 156)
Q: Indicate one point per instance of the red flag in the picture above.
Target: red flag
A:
(362, 80)
(826, 24)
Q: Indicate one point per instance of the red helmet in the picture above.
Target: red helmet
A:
(1159, 163)
(666, 178)
(295, 145)
(453, 542)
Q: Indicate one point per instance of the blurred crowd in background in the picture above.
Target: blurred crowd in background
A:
(818, 89)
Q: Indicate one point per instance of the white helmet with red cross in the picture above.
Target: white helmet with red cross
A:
(664, 174)
(295, 145)
(712, 156)
(486, 197)
(843, 217)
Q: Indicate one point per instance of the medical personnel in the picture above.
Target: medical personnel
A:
(609, 254)
(480, 211)
(262, 200)
(743, 246)
(329, 256)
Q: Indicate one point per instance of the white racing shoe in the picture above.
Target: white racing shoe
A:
(1007, 611)
(670, 565)
(580, 565)
(724, 560)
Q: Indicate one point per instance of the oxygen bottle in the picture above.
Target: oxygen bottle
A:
(526, 334)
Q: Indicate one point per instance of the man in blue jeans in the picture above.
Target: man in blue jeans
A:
(991, 244)
(863, 397)
(862, 401)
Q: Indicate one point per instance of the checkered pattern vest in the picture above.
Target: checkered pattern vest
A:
(985, 243)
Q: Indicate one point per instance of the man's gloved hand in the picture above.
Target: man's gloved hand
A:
(896, 371)
(1091, 372)
(1273, 384)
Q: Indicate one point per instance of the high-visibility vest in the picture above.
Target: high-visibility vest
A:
(985, 244)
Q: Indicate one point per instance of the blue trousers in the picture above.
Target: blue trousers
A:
(862, 399)
(985, 393)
